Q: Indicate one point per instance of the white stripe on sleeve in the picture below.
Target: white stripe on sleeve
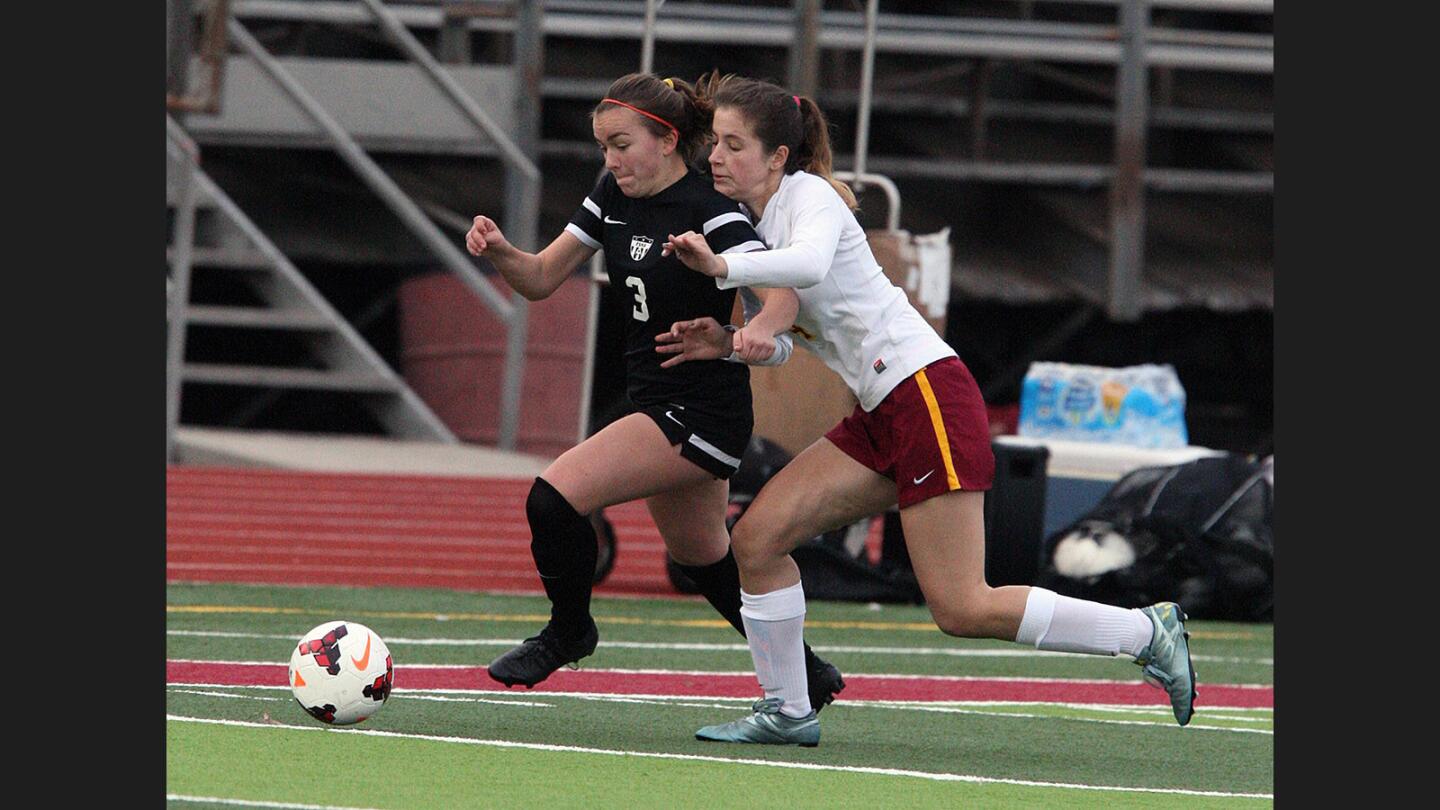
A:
(579, 233)
(745, 247)
(592, 207)
(733, 216)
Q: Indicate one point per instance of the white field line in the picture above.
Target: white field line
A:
(684, 702)
(806, 766)
(909, 676)
(177, 797)
(208, 693)
(443, 699)
(926, 707)
(1018, 652)
(410, 694)
(1233, 718)
(704, 672)
(721, 701)
(910, 706)
(1101, 720)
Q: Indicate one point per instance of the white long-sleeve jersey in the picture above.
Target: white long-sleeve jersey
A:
(851, 316)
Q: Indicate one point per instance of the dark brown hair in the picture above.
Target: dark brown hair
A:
(779, 119)
(673, 100)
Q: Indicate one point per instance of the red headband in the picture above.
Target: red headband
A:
(797, 101)
(642, 112)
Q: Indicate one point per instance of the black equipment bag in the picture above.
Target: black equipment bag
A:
(1201, 534)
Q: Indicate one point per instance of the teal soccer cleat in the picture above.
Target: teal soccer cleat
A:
(766, 726)
(1166, 658)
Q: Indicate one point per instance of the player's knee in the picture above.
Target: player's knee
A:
(962, 617)
(546, 505)
(697, 551)
(554, 526)
(753, 546)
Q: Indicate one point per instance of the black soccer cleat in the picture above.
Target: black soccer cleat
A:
(538, 656)
(823, 679)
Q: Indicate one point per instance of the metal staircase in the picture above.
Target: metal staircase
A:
(212, 235)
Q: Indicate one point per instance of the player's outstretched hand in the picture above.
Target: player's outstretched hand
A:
(692, 250)
(483, 235)
(700, 339)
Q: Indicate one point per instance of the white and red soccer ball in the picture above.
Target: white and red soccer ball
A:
(341, 672)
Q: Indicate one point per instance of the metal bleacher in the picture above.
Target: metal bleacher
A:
(1071, 108)
(211, 232)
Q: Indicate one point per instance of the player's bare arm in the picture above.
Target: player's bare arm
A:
(755, 342)
(533, 275)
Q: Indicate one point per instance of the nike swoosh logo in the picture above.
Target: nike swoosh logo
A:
(923, 477)
(673, 419)
(364, 660)
(609, 221)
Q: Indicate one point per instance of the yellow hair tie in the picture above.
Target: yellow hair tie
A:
(670, 83)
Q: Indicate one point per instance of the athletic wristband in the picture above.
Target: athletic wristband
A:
(731, 329)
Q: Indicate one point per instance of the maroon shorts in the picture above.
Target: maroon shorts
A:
(930, 434)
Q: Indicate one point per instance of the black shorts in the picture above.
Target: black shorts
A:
(714, 443)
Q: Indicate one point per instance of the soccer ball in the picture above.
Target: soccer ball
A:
(341, 673)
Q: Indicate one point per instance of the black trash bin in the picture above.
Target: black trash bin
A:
(1015, 514)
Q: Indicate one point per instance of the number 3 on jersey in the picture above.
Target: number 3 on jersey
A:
(641, 311)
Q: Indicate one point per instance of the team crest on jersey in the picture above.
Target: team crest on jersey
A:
(639, 246)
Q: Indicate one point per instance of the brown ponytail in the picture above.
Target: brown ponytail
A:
(814, 150)
(779, 119)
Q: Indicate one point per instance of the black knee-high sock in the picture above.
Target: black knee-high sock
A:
(719, 583)
(563, 546)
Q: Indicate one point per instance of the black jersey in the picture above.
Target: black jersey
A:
(658, 291)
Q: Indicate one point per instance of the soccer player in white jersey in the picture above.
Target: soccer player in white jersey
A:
(680, 448)
(918, 437)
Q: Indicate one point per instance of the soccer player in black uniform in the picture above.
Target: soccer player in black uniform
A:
(693, 421)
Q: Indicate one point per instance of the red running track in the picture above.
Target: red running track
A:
(462, 533)
(416, 531)
(857, 687)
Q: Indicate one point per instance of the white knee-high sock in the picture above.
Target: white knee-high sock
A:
(1055, 622)
(775, 627)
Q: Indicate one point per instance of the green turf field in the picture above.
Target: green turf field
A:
(484, 747)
